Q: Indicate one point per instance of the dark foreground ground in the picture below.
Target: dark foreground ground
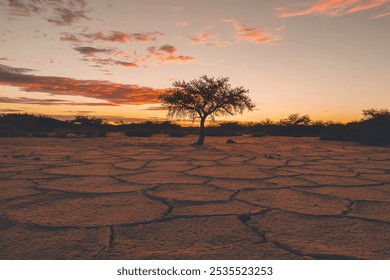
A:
(158, 198)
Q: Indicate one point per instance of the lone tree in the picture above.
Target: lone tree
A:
(204, 97)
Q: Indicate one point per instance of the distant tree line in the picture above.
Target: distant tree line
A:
(372, 129)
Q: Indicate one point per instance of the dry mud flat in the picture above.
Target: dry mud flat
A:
(161, 198)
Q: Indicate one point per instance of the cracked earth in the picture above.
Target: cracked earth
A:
(161, 198)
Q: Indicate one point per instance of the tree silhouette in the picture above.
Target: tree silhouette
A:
(376, 113)
(204, 97)
(296, 119)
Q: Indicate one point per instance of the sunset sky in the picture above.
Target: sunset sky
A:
(326, 58)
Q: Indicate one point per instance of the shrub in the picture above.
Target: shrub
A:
(102, 133)
(139, 132)
(373, 131)
(90, 134)
(258, 134)
(176, 133)
(39, 134)
(87, 121)
(217, 131)
(60, 134)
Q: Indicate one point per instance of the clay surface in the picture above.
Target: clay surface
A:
(162, 198)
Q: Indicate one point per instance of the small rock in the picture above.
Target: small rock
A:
(244, 218)
(269, 156)
(230, 141)
(18, 156)
(37, 158)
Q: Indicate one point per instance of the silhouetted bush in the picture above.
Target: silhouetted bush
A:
(39, 134)
(258, 134)
(87, 121)
(176, 133)
(60, 134)
(14, 132)
(139, 132)
(374, 129)
(90, 134)
(296, 120)
(31, 123)
(231, 126)
(217, 131)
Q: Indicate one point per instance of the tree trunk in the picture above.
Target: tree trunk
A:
(201, 132)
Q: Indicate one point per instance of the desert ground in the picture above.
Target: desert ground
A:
(162, 198)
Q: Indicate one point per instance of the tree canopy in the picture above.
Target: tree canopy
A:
(205, 97)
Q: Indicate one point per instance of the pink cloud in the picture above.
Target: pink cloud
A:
(329, 8)
(91, 51)
(180, 58)
(202, 37)
(112, 36)
(164, 54)
(256, 34)
(67, 37)
(112, 93)
(381, 15)
(109, 61)
(122, 37)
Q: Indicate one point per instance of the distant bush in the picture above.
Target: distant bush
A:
(374, 129)
(258, 134)
(231, 126)
(370, 114)
(31, 123)
(139, 132)
(217, 131)
(39, 134)
(295, 119)
(177, 133)
(60, 134)
(90, 134)
(87, 121)
(14, 132)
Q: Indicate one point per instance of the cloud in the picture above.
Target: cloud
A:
(126, 64)
(59, 12)
(256, 34)
(15, 70)
(151, 49)
(202, 37)
(209, 39)
(109, 61)
(183, 23)
(90, 51)
(330, 8)
(112, 36)
(6, 110)
(381, 15)
(180, 58)
(49, 101)
(164, 54)
(155, 108)
(167, 49)
(112, 93)
(67, 37)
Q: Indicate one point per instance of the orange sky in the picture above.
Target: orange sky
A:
(325, 58)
